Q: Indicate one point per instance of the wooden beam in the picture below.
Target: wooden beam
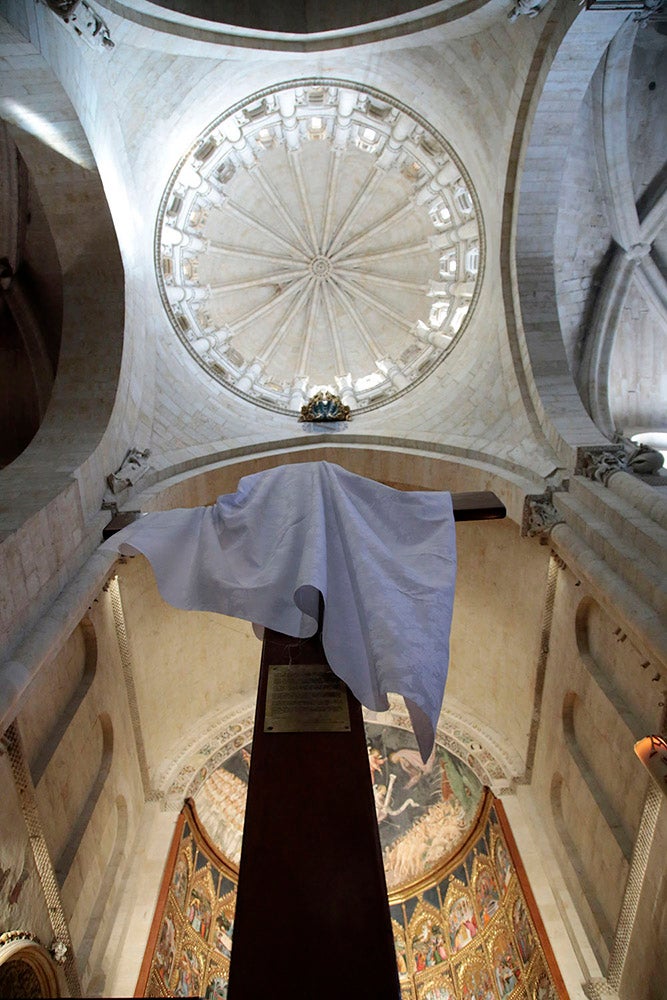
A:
(312, 915)
(477, 506)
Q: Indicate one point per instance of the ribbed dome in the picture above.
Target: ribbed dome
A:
(320, 236)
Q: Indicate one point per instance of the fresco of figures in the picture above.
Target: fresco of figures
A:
(442, 990)
(486, 892)
(425, 811)
(218, 983)
(543, 987)
(165, 952)
(428, 944)
(189, 972)
(199, 912)
(522, 929)
(474, 978)
(504, 960)
(221, 802)
(462, 921)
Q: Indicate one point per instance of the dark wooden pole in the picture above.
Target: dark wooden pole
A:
(312, 916)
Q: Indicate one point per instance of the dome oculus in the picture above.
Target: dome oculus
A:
(319, 236)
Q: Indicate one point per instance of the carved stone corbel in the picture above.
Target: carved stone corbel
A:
(539, 516)
(84, 20)
(526, 8)
(600, 462)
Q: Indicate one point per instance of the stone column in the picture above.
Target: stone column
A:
(250, 376)
(390, 369)
(298, 395)
(204, 345)
(426, 335)
(347, 100)
(399, 133)
(346, 390)
(447, 175)
(287, 106)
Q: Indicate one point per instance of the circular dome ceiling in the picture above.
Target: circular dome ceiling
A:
(319, 236)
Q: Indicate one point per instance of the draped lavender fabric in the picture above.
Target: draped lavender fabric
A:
(384, 561)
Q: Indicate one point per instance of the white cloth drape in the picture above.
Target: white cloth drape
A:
(384, 561)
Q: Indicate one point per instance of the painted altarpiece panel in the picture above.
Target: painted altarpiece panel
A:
(487, 897)
(473, 978)
(426, 939)
(460, 916)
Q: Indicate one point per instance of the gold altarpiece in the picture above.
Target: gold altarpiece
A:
(467, 930)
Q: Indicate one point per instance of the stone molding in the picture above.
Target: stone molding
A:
(40, 851)
(112, 587)
(219, 734)
(555, 565)
(634, 884)
(215, 32)
(599, 989)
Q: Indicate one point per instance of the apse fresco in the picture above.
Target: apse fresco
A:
(425, 812)
(462, 919)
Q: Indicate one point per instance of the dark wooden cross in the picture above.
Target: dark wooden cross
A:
(312, 914)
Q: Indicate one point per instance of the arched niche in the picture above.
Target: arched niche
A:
(580, 881)
(572, 47)
(615, 663)
(415, 466)
(86, 278)
(63, 687)
(31, 308)
(296, 27)
(69, 851)
(487, 643)
(577, 719)
(105, 904)
(26, 967)
(300, 18)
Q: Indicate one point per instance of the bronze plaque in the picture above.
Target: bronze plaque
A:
(305, 698)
